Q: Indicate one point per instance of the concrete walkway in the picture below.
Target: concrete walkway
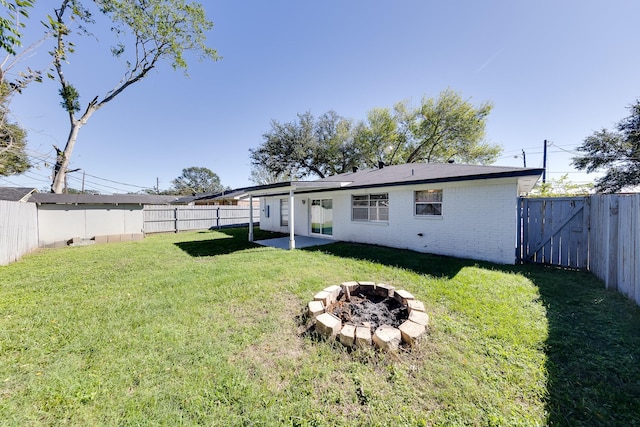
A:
(301, 242)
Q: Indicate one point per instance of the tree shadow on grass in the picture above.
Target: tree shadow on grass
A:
(225, 241)
(593, 349)
(593, 344)
(421, 263)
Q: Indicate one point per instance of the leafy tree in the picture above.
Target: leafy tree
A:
(616, 152)
(11, 24)
(195, 180)
(383, 137)
(322, 147)
(159, 30)
(450, 128)
(561, 187)
(13, 158)
(260, 175)
(439, 130)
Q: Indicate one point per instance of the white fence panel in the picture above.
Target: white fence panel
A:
(163, 218)
(18, 230)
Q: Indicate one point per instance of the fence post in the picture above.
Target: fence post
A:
(218, 217)
(612, 259)
(518, 230)
(175, 216)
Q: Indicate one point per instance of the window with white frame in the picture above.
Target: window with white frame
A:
(370, 207)
(284, 212)
(428, 203)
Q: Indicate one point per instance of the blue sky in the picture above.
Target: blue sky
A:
(555, 70)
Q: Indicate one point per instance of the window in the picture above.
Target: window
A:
(428, 202)
(370, 207)
(284, 212)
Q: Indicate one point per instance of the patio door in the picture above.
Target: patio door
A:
(322, 217)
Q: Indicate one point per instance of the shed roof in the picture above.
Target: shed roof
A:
(222, 195)
(101, 199)
(16, 194)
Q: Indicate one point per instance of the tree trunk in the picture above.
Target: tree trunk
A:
(62, 159)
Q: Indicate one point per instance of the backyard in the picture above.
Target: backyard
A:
(205, 328)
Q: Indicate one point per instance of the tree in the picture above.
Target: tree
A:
(160, 30)
(306, 146)
(261, 176)
(11, 24)
(13, 158)
(195, 180)
(448, 128)
(616, 152)
(561, 187)
(383, 137)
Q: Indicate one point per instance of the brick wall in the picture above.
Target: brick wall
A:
(478, 221)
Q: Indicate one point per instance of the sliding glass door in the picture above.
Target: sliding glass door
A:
(322, 216)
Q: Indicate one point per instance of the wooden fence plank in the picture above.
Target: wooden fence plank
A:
(557, 229)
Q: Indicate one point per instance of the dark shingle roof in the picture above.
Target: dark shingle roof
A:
(16, 194)
(405, 174)
(92, 199)
(224, 195)
(426, 172)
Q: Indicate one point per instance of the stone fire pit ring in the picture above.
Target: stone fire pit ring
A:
(361, 333)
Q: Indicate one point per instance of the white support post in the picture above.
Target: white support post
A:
(292, 215)
(251, 218)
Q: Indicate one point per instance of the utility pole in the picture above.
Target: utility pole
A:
(544, 163)
(524, 158)
(157, 185)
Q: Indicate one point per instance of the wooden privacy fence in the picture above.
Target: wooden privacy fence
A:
(554, 231)
(615, 242)
(167, 218)
(18, 230)
(599, 233)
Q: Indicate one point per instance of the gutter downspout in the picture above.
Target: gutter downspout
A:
(292, 239)
(251, 218)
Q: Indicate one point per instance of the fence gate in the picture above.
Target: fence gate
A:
(554, 231)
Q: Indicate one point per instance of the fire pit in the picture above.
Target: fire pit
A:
(368, 313)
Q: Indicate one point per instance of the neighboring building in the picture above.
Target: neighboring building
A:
(16, 194)
(457, 210)
(62, 217)
(223, 198)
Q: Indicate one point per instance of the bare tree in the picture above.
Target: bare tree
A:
(161, 30)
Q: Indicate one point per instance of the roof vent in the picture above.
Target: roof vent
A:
(380, 164)
(450, 161)
(354, 169)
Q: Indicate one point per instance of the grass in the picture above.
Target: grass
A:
(204, 329)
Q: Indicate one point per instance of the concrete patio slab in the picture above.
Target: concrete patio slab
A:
(301, 242)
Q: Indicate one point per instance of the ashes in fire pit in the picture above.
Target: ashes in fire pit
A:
(372, 309)
(366, 313)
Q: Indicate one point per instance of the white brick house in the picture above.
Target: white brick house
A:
(464, 211)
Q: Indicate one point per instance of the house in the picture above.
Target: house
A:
(223, 198)
(458, 210)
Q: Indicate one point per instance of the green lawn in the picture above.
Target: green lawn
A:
(204, 328)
